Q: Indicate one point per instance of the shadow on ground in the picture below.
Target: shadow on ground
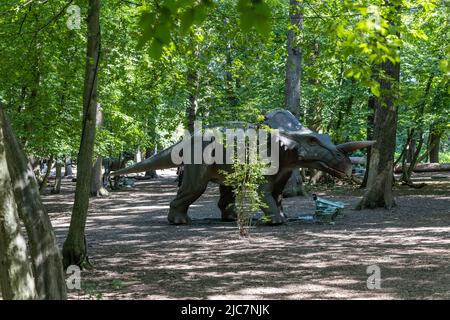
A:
(137, 255)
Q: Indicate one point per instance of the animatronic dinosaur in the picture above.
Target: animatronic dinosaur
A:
(298, 147)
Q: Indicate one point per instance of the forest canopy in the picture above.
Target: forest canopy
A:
(228, 56)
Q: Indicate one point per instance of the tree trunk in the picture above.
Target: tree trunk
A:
(294, 186)
(68, 167)
(191, 111)
(294, 59)
(411, 149)
(435, 140)
(152, 173)
(36, 166)
(231, 95)
(44, 181)
(16, 276)
(407, 172)
(44, 252)
(58, 178)
(370, 124)
(344, 112)
(74, 248)
(380, 177)
(313, 117)
(137, 159)
(97, 187)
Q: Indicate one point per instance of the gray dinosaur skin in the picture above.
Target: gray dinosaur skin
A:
(299, 147)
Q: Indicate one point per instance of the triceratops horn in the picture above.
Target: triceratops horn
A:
(354, 145)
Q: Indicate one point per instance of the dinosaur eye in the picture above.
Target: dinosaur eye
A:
(312, 141)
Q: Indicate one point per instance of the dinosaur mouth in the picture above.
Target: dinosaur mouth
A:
(333, 171)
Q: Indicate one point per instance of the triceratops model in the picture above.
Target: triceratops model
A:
(298, 147)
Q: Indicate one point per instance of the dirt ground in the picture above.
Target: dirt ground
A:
(138, 255)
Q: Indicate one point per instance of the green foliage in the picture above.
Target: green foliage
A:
(239, 76)
(254, 14)
(245, 179)
(444, 157)
(161, 23)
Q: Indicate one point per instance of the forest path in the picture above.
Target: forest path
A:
(138, 255)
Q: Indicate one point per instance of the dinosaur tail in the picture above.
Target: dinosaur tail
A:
(161, 160)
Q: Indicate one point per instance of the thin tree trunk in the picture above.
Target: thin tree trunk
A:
(44, 252)
(412, 145)
(57, 187)
(152, 173)
(191, 111)
(404, 153)
(97, 187)
(313, 116)
(137, 159)
(44, 181)
(16, 276)
(36, 166)
(342, 114)
(294, 186)
(370, 126)
(68, 171)
(231, 95)
(407, 172)
(74, 248)
(433, 146)
(294, 59)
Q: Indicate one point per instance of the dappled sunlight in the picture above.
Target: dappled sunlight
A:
(139, 208)
(137, 254)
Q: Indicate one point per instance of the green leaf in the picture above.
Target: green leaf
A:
(375, 88)
(162, 33)
(156, 49)
(187, 20)
(199, 14)
(340, 31)
(146, 22)
(348, 73)
(262, 21)
(246, 21)
(444, 66)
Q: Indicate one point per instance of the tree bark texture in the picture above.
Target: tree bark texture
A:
(74, 248)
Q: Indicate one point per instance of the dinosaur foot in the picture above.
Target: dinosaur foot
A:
(276, 220)
(178, 218)
(228, 216)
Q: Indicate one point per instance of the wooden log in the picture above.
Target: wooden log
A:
(426, 167)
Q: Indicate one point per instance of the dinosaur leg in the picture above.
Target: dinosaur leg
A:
(278, 191)
(272, 198)
(226, 203)
(271, 209)
(194, 183)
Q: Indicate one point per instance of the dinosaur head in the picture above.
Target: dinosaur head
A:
(315, 150)
(309, 149)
